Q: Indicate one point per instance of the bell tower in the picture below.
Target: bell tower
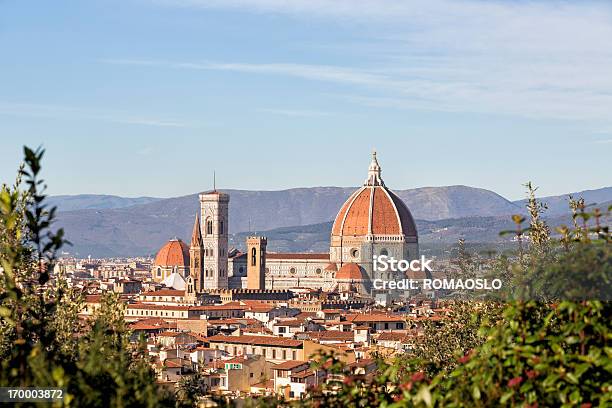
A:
(256, 263)
(196, 256)
(214, 214)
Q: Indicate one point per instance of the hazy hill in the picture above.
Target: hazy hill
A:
(559, 205)
(143, 228)
(96, 201)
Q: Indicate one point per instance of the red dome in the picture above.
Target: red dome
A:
(174, 253)
(350, 271)
(374, 210)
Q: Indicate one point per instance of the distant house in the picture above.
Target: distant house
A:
(266, 313)
(293, 378)
(378, 321)
(400, 341)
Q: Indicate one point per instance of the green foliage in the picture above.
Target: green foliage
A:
(539, 356)
(190, 390)
(539, 232)
(42, 341)
(344, 390)
(442, 344)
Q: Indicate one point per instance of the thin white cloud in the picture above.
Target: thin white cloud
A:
(326, 73)
(71, 113)
(547, 59)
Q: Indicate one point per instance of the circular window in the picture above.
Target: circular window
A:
(318, 271)
(241, 269)
(354, 252)
(267, 271)
(292, 271)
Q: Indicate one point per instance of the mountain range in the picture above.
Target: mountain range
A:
(294, 219)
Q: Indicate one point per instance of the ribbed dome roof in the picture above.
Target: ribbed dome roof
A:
(350, 271)
(174, 253)
(375, 210)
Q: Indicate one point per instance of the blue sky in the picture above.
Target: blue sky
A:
(147, 97)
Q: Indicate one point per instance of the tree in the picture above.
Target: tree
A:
(42, 341)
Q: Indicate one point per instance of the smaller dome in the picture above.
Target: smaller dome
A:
(331, 267)
(350, 271)
(174, 253)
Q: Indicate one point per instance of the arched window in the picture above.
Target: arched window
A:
(384, 251)
(253, 257)
(209, 227)
(221, 227)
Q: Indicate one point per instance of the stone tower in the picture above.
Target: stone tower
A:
(196, 256)
(215, 221)
(256, 262)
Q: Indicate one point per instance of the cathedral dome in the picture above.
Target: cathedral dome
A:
(174, 253)
(374, 210)
(350, 271)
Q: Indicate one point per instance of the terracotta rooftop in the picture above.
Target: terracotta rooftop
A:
(261, 308)
(151, 324)
(302, 374)
(334, 311)
(93, 298)
(256, 340)
(266, 384)
(331, 335)
(373, 318)
(172, 364)
(290, 365)
(290, 322)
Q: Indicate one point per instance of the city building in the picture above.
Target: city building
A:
(373, 221)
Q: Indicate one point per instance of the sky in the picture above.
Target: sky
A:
(149, 97)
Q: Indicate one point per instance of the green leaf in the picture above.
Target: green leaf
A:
(506, 397)
(5, 311)
(424, 395)
(476, 392)
(571, 378)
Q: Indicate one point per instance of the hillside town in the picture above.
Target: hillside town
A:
(251, 323)
(247, 342)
